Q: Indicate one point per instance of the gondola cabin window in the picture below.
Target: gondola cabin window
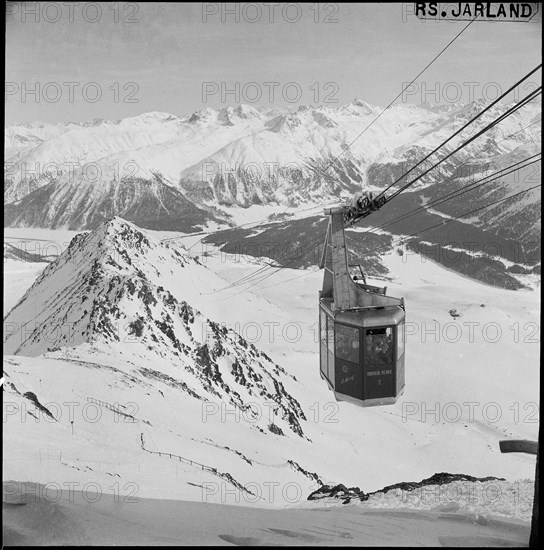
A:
(379, 346)
(401, 340)
(330, 347)
(323, 341)
(347, 343)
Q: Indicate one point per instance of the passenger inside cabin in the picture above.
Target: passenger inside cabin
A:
(378, 348)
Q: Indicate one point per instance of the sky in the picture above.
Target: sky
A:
(80, 61)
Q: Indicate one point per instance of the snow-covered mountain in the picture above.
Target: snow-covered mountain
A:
(108, 319)
(125, 364)
(167, 172)
(115, 290)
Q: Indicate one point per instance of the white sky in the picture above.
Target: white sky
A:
(162, 59)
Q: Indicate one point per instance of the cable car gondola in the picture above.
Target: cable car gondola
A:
(362, 331)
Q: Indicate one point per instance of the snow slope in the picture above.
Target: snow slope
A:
(70, 518)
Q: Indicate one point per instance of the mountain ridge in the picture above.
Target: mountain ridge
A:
(108, 291)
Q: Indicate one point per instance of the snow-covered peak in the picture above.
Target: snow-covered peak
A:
(118, 230)
(94, 122)
(118, 284)
(225, 116)
(203, 116)
(472, 108)
(153, 117)
(441, 107)
(246, 111)
(362, 106)
(119, 245)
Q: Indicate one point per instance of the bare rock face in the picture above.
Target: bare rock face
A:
(347, 494)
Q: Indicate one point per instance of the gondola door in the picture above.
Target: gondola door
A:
(349, 374)
(379, 361)
(326, 330)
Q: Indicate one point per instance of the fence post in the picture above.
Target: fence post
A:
(533, 540)
(529, 447)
